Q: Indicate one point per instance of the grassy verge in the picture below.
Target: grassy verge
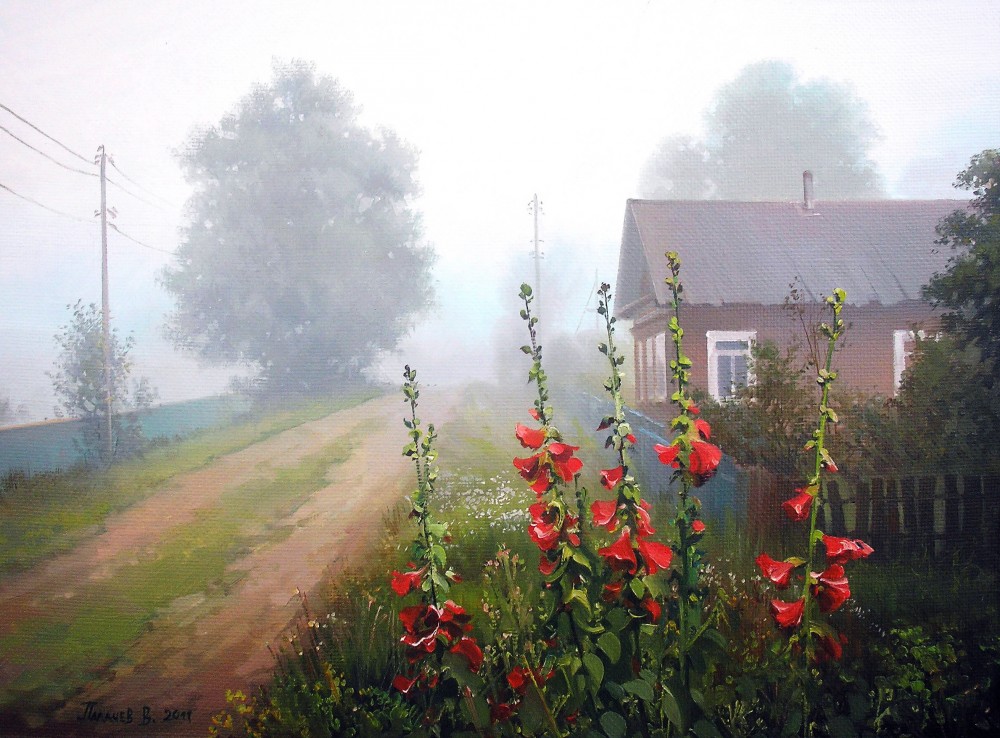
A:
(75, 639)
(49, 513)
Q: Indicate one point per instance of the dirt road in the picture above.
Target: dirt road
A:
(203, 644)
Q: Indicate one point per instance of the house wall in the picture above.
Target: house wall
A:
(864, 361)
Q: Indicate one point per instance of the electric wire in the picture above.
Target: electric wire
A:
(164, 200)
(122, 233)
(53, 160)
(51, 138)
(45, 207)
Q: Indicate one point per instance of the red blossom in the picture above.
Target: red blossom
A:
(565, 464)
(403, 582)
(644, 526)
(652, 607)
(620, 555)
(403, 683)
(704, 461)
(500, 712)
(630, 438)
(533, 412)
(656, 555)
(787, 614)
(543, 531)
(667, 454)
(603, 512)
(831, 589)
(830, 649)
(470, 649)
(698, 527)
(535, 472)
(611, 477)
(519, 678)
(422, 624)
(532, 438)
(612, 591)
(842, 550)
(797, 508)
(778, 572)
(693, 409)
(704, 429)
(546, 565)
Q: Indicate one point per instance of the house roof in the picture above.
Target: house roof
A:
(750, 252)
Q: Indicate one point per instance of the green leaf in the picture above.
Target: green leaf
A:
(640, 689)
(840, 726)
(612, 647)
(614, 725)
(672, 709)
(595, 668)
(617, 619)
(704, 729)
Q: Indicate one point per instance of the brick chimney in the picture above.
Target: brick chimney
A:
(808, 201)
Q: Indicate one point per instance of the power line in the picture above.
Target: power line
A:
(127, 191)
(51, 138)
(46, 207)
(122, 233)
(129, 179)
(53, 160)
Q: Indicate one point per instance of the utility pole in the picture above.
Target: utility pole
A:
(105, 304)
(533, 208)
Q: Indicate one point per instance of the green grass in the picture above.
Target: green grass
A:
(74, 640)
(49, 513)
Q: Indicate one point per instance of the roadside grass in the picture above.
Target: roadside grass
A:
(49, 513)
(75, 639)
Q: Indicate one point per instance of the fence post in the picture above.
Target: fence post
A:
(879, 521)
(926, 510)
(952, 512)
(910, 532)
(972, 518)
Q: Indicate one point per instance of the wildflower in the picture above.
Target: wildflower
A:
(667, 454)
(519, 678)
(703, 428)
(830, 649)
(611, 477)
(543, 530)
(565, 464)
(842, 550)
(652, 607)
(698, 527)
(620, 555)
(831, 589)
(403, 683)
(403, 582)
(797, 508)
(704, 461)
(470, 649)
(778, 572)
(603, 512)
(787, 614)
(656, 555)
(530, 437)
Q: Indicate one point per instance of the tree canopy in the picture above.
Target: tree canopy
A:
(302, 256)
(763, 130)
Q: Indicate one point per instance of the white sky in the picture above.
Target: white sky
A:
(502, 99)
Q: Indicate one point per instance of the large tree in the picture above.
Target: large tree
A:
(301, 258)
(763, 130)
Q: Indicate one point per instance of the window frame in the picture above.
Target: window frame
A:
(713, 338)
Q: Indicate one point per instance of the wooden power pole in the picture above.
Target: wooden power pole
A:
(106, 306)
(533, 207)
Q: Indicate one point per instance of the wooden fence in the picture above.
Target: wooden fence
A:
(896, 516)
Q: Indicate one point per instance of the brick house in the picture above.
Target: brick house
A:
(738, 261)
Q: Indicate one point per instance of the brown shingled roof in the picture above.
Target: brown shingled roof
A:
(749, 252)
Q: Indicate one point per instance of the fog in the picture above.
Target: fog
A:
(498, 102)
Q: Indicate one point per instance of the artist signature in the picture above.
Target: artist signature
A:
(94, 712)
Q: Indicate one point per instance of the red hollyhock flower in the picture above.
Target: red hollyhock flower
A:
(652, 607)
(698, 527)
(704, 461)
(470, 649)
(787, 614)
(533, 412)
(667, 454)
(630, 438)
(532, 438)
(612, 591)
(693, 409)
(519, 678)
(704, 429)
(644, 526)
(547, 565)
(565, 464)
(603, 512)
(454, 620)
(619, 555)
(403, 683)
(534, 472)
(500, 712)
(422, 624)
(656, 555)
(830, 649)
(797, 508)
(543, 531)
(403, 582)
(831, 590)
(830, 465)
(778, 572)
(611, 477)
(842, 550)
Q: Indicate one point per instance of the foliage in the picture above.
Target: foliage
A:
(81, 385)
(297, 205)
(969, 289)
(762, 130)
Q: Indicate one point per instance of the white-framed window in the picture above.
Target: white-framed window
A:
(904, 343)
(729, 362)
(655, 375)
